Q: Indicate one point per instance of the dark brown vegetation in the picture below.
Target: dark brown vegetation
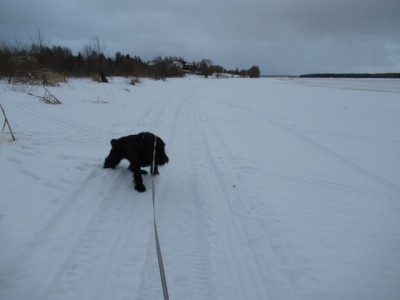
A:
(42, 64)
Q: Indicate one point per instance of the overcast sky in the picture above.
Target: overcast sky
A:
(280, 36)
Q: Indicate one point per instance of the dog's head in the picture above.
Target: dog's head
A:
(115, 156)
(147, 141)
(161, 156)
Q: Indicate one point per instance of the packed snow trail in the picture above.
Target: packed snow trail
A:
(275, 190)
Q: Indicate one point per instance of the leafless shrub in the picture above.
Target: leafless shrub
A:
(50, 78)
(49, 98)
(100, 101)
(43, 77)
(95, 77)
(134, 81)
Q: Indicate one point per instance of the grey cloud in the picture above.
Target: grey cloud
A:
(281, 36)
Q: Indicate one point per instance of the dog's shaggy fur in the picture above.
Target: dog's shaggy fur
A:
(138, 149)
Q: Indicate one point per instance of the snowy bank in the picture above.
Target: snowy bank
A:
(276, 189)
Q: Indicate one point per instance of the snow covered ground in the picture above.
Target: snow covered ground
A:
(276, 189)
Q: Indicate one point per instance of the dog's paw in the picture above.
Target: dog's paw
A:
(155, 173)
(143, 172)
(140, 188)
(108, 166)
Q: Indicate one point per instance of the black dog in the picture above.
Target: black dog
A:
(138, 149)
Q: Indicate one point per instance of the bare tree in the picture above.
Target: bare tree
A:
(18, 45)
(39, 46)
(93, 52)
(38, 38)
(94, 48)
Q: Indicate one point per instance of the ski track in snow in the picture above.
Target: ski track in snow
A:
(223, 234)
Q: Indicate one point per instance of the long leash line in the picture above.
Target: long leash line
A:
(159, 256)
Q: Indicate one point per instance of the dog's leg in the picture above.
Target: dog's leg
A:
(137, 178)
(155, 171)
(143, 172)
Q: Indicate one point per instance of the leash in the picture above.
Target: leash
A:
(159, 256)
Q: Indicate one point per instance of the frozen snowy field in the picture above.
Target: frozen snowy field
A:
(276, 189)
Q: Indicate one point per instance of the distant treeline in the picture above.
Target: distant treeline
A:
(356, 75)
(38, 59)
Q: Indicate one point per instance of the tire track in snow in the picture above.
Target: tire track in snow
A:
(108, 252)
(153, 113)
(52, 119)
(118, 233)
(239, 273)
(69, 204)
(268, 267)
(179, 216)
(160, 112)
(82, 242)
(125, 229)
(150, 287)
